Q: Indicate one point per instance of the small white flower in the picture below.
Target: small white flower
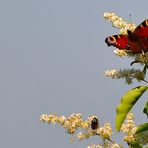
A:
(120, 53)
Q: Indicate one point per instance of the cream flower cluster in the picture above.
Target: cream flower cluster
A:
(141, 58)
(105, 145)
(127, 74)
(71, 124)
(129, 129)
(75, 122)
(85, 135)
(52, 118)
(105, 131)
(118, 22)
(120, 53)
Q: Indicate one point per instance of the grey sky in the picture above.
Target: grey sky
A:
(52, 59)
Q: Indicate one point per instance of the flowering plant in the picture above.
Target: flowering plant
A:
(135, 136)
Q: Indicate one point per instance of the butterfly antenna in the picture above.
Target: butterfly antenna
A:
(130, 17)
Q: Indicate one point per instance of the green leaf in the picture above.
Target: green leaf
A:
(142, 128)
(145, 110)
(142, 133)
(135, 145)
(127, 102)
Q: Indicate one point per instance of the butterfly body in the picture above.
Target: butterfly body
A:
(135, 42)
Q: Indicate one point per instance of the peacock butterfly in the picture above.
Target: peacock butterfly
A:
(134, 42)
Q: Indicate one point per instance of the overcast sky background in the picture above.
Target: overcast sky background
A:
(52, 59)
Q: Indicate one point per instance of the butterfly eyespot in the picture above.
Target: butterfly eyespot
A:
(112, 39)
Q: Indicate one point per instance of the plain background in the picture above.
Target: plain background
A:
(52, 60)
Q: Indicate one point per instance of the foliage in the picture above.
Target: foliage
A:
(127, 102)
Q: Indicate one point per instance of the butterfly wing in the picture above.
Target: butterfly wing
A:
(123, 42)
(118, 41)
(135, 42)
(142, 29)
(141, 32)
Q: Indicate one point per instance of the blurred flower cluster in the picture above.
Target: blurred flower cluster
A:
(127, 74)
(142, 58)
(129, 128)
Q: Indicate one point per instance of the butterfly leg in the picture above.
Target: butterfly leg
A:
(136, 61)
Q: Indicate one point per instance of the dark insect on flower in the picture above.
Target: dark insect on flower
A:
(94, 123)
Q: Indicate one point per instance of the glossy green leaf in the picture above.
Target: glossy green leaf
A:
(127, 102)
(142, 134)
(145, 110)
